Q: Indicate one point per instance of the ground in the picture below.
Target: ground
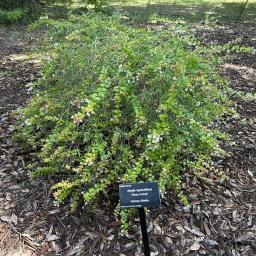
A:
(221, 217)
(190, 10)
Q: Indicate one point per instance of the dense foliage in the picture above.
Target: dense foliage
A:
(12, 4)
(120, 104)
(11, 16)
(23, 11)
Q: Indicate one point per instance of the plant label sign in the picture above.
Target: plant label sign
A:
(139, 195)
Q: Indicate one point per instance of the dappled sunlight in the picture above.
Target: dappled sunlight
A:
(163, 92)
(245, 71)
(190, 10)
(11, 244)
(25, 57)
(243, 77)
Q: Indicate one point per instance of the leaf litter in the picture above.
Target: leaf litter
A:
(221, 217)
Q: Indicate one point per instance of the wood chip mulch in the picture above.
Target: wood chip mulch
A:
(221, 217)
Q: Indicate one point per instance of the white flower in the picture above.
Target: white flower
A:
(154, 140)
(90, 163)
(56, 203)
(27, 122)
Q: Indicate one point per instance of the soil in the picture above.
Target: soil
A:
(221, 217)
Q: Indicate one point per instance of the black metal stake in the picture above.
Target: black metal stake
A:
(144, 231)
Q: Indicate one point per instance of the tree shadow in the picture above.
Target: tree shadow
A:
(63, 11)
(228, 12)
(32, 13)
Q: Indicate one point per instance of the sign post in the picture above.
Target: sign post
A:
(140, 195)
(144, 231)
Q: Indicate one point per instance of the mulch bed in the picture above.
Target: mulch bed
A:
(221, 217)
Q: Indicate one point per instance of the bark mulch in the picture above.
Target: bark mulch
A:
(221, 217)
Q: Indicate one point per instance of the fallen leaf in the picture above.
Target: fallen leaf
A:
(210, 242)
(5, 218)
(53, 238)
(195, 247)
(14, 219)
(194, 231)
(206, 228)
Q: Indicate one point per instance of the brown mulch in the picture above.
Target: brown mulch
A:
(221, 217)
(11, 244)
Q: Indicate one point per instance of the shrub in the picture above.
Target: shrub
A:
(120, 104)
(19, 11)
(27, 10)
(11, 16)
(12, 4)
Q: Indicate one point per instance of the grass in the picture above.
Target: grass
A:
(190, 10)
